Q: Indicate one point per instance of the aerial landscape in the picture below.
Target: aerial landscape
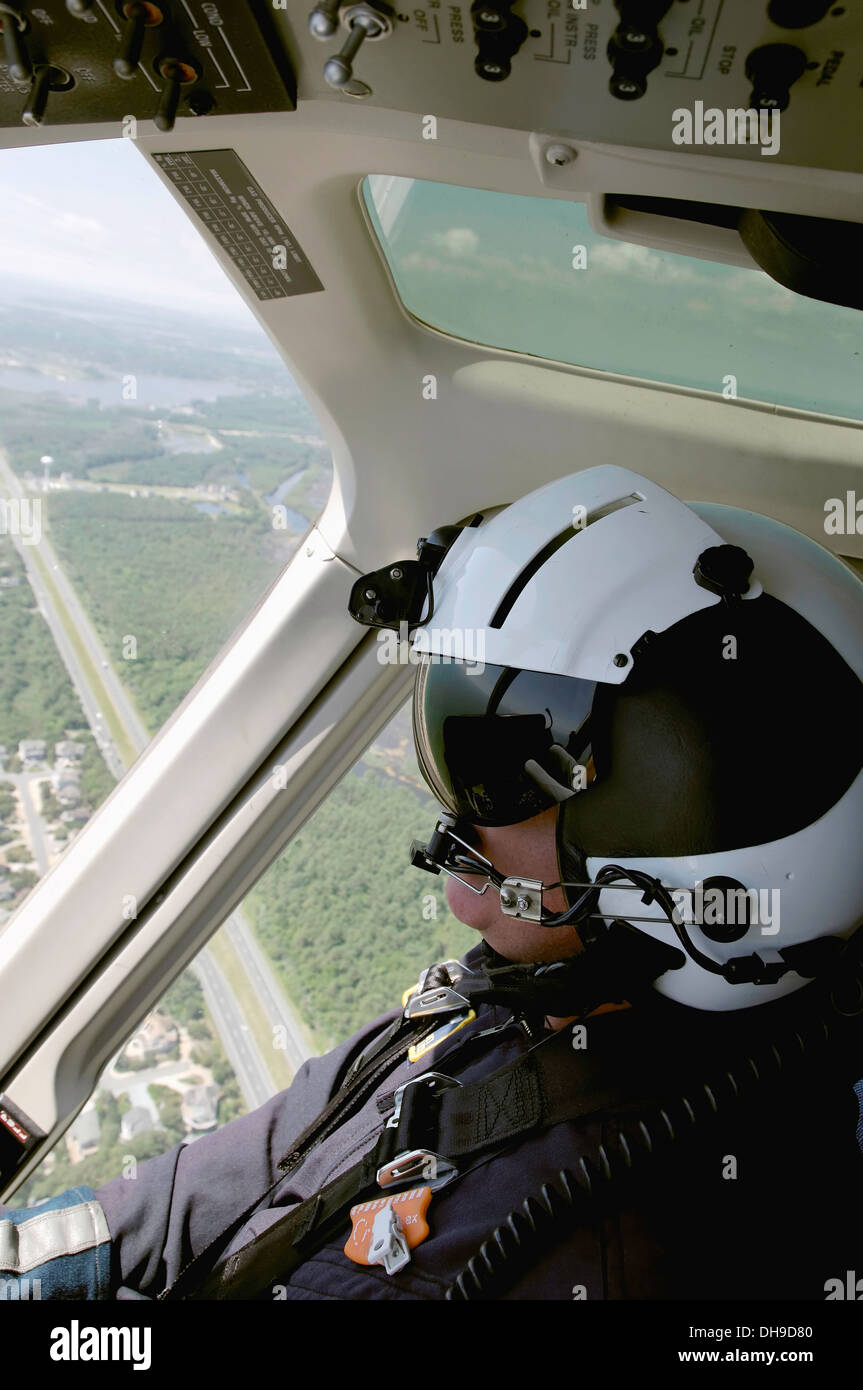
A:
(156, 476)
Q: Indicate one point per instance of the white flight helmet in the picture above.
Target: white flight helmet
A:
(685, 681)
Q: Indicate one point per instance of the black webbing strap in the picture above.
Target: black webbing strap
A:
(374, 1062)
(538, 1091)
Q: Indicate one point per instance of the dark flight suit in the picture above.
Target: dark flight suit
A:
(767, 1208)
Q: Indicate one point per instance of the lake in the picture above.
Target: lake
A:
(151, 390)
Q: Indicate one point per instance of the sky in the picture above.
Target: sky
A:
(531, 274)
(95, 216)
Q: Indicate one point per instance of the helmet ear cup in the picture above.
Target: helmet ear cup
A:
(658, 797)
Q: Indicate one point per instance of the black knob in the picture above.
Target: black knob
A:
(773, 69)
(17, 59)
(494, 68)
(634, 50)
(724, 569)
(489, 18)
(796, 14)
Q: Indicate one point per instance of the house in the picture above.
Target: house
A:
(84, 1135)
(67, 788)
(32, 750)
(157, 1035)
(136, 1121)
(69, 751)
(198, 1107)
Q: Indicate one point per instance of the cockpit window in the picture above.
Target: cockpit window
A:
(158, 469)
(530, 275)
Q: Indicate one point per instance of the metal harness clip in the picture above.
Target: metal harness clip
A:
(388, 1244)
(415, 1165)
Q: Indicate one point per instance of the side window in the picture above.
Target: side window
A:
(330, 936)
(158, 468)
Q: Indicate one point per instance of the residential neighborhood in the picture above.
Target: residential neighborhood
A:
(41, 808)
(160, 1057)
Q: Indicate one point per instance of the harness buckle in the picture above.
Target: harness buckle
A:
(426, 1078)
(416, 1165)
(413, 1164)
(438, 1000)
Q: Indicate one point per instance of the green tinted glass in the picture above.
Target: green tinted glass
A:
(529, 274)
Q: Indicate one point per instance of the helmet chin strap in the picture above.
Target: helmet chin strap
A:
(521, 898)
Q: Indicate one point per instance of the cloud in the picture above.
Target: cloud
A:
(626, 258)
(457, 241)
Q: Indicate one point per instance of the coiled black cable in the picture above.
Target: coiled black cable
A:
(578, 1194)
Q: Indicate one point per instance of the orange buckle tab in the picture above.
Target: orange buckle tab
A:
(384, 1231)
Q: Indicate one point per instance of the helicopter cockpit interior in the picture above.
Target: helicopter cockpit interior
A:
(493, 244)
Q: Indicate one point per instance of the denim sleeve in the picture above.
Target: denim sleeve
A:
(60, 1248)
(174, 1205)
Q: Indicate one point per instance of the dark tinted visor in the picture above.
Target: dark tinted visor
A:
(498, 745)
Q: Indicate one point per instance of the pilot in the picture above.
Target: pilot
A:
(643, 1081)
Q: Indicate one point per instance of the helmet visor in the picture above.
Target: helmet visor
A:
(498, 745)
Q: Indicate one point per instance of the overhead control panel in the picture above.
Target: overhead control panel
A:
(614, 71)
(656, 74)
(80, 62)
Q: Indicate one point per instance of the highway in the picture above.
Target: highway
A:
(255, 1081)
(266, 986)
(253, 1076)
(11, 487)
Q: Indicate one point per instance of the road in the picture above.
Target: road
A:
(26, 784)
(89, 702)
(269, 993)
(255, 1081)
(253, 1075)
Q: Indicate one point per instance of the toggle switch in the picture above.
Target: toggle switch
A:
(176, 74)
(364, 21)
(17, 58)
(46, 79)
(139, 15)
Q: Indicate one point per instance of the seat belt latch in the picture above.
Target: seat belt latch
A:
(412, 1122)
